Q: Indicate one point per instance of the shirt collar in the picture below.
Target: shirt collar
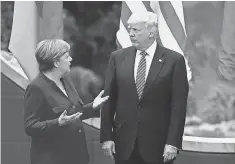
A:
(151, 50)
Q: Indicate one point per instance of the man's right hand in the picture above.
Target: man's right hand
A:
(109, 148)
(64, 118)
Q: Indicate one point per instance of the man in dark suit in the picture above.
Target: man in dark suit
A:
(143, 121)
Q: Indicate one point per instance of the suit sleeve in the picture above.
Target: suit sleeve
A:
(89, 111)
(34, 108)
(108, 108)
(179, 97)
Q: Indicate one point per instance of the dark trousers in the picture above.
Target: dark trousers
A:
(136, 158)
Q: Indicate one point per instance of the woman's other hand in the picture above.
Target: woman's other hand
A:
(99, 100)
(64, 118)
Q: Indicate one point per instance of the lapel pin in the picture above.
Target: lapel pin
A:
(160, 60)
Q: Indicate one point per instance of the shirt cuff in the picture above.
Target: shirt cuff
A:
(172, 147)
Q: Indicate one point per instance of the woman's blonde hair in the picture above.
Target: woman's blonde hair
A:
(48, 51)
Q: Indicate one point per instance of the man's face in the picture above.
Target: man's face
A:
(139, 35)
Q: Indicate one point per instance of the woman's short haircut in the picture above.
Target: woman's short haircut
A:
(49, 51)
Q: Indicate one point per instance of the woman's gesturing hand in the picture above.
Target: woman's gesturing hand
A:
(64, 118)
(99, 100)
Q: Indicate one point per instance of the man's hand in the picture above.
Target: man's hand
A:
(109, 148)
(170, 153)
(99, 100)
(64, 118)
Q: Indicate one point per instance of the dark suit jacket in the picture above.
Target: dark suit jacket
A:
(51, 143)
(156, 119)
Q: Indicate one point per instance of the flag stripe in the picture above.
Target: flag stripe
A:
(136, 6)
(178, 7)
(147, 6)
(126, 13)
(166, 36)
(123, 36)
(173, 23)
(171, 31)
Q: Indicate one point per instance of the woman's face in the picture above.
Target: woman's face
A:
(64, 62)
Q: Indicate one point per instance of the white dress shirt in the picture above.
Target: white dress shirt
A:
(63, 90)
(150, 51)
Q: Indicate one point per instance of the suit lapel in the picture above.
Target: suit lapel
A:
(155, 68)
(71, 91)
